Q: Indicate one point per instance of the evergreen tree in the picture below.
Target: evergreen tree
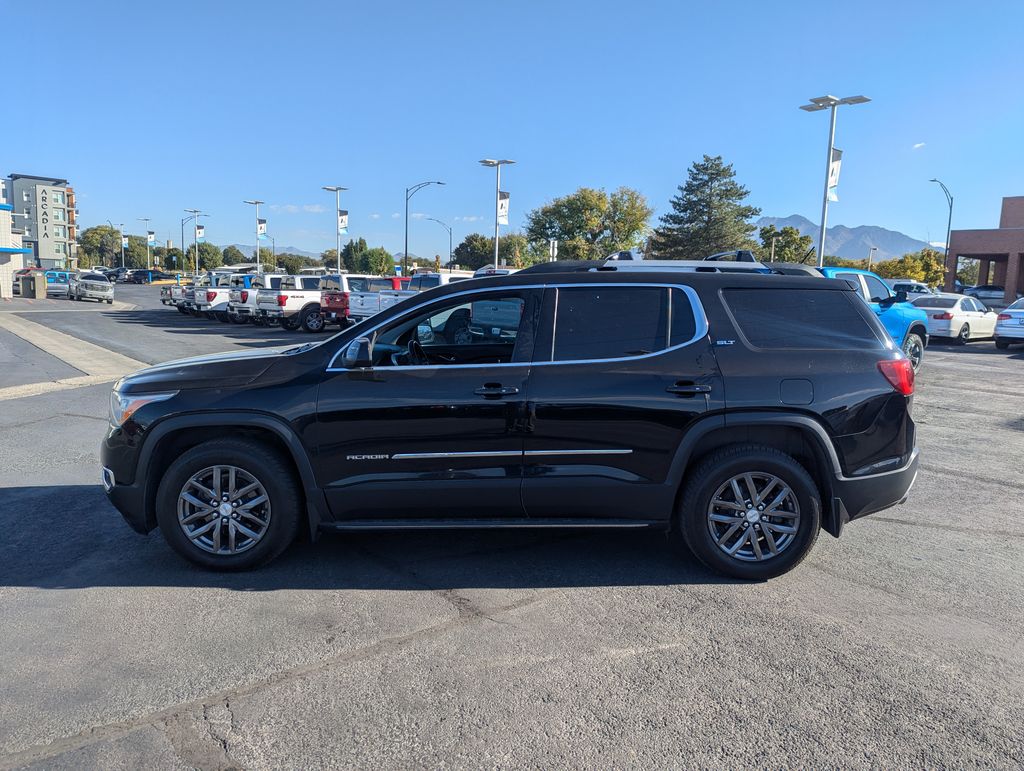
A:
(707, 215)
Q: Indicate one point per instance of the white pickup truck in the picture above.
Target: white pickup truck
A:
(242, 296)
(362, 305)
(295, 303)
(213, 302)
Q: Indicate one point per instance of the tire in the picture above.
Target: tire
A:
(713, 477)
(182, 310)
(279, 514)
(237, 319)
(221, 316)
(913, 347)
(110, 302)
(291, 323)
(1002, 345)
(965, 335)
(311, 320)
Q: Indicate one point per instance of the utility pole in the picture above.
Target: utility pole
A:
(409, 193)
(497, 196)
(772, 258)
(259, 265)
(337, 219)
(149, 253)
(432, 219)
(871, 253)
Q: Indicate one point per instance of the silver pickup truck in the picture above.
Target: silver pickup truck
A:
(295, 303)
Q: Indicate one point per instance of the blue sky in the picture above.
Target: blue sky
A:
(149, 108)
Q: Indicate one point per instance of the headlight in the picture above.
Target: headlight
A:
(123, 406)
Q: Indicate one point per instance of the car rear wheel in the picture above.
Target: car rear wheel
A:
(291, 323)
(1002, 345)
(749, 512)
(221, 316)
(312, 321)
(238, 318)
(964, 336)
(913, 347)
(229, 505)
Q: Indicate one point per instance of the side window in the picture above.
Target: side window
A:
(480, 329)
(877, 290)
(854, 280)
(612, 322)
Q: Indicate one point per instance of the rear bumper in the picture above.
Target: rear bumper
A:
(856, 497)
(1010, 331)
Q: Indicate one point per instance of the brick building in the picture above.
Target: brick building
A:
(999, 251)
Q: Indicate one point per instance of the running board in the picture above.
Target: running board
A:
(488, 524)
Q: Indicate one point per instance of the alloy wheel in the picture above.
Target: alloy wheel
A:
(224, 510)
(754, 516)
(914, 350)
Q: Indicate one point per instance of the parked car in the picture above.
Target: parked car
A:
(907, 325)
(957, 316)
(992, 295)
(293, 304)
(742, 413)
(912, 289)
(363, 305)
(57, 282)
(1010, 325)
(242, 295)
(90, 286)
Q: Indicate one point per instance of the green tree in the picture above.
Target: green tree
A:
(353, 256)
(99, 245)
(135, 255)
(379, 262)
(210, 257)
(171, 259)
(475, 251)
(790, 246)
(926, 266)
(708, 214)
(233, 255)
(590, 224)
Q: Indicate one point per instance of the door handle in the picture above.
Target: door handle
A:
(495, 390)
(682, 388)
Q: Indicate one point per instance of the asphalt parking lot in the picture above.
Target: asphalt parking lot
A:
(901, 644)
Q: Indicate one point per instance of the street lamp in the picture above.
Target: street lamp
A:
(497, 196)
(337, 218)
(254, 202)
(149, 254)
(828, 103)
(949, 222)
(432, 219)
(120, 233)
(871, 253)
(195, 215)
(409, 193)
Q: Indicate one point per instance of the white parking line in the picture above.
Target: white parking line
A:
(98, 364)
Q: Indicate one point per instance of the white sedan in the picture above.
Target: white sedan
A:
(1010, 325)
(957, 316)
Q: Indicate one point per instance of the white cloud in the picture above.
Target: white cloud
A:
(375, 216)
(417, 215)
(395, 216)
(918, 145)
(294, 208)
(313, 208)
(468, 218)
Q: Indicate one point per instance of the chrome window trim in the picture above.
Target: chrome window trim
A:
(504, 454)
(701, 328)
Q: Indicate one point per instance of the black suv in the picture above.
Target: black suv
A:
(740, 412)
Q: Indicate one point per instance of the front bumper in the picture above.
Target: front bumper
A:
(856, 497)
(90, 294)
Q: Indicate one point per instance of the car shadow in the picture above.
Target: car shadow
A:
(71, 537)
(173, 322)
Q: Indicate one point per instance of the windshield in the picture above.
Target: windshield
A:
(94, 277)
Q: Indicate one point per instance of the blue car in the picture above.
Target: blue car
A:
(906, 324)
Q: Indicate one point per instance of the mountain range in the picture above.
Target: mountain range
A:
(851, 243)
(247, 250)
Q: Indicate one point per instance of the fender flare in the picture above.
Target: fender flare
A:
(316, 503)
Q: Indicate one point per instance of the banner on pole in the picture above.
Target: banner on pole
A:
(200, 232)
(342, 222)
(150, 237)
(502, 208)
(261, 227)
(833, 174)
(124, 241)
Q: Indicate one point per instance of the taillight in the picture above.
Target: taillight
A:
(1004, 317)
(210, 296)
(244, 294)
(899, 373)
(344, 301)
(282, 299)
(947, 316)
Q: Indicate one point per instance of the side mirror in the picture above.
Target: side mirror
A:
(425, 334)
(357, 354)
(899, 297)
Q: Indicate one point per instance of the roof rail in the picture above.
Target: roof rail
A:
(688, 266)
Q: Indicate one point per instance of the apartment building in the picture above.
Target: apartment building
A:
(49, 217)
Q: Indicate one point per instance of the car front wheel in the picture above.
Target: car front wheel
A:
(229, 505)
(749, 512)
(913, 347)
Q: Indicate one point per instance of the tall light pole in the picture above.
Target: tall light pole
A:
(337, 218)
(949, 222)
(432, 219)
(254, 202)
(149, 253)
(831, 103)
(195, 215)
(497, 196)
(273, 251)
(871, 253)
(120, 235)
(409, 193)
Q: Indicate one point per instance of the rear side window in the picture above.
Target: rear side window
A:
(876, 289)
(310, 282)
(616, 322)
(421, 282)
(800, 318)
(377, 285)
(357, 284)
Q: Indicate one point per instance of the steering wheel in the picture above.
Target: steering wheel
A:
(416, 353)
